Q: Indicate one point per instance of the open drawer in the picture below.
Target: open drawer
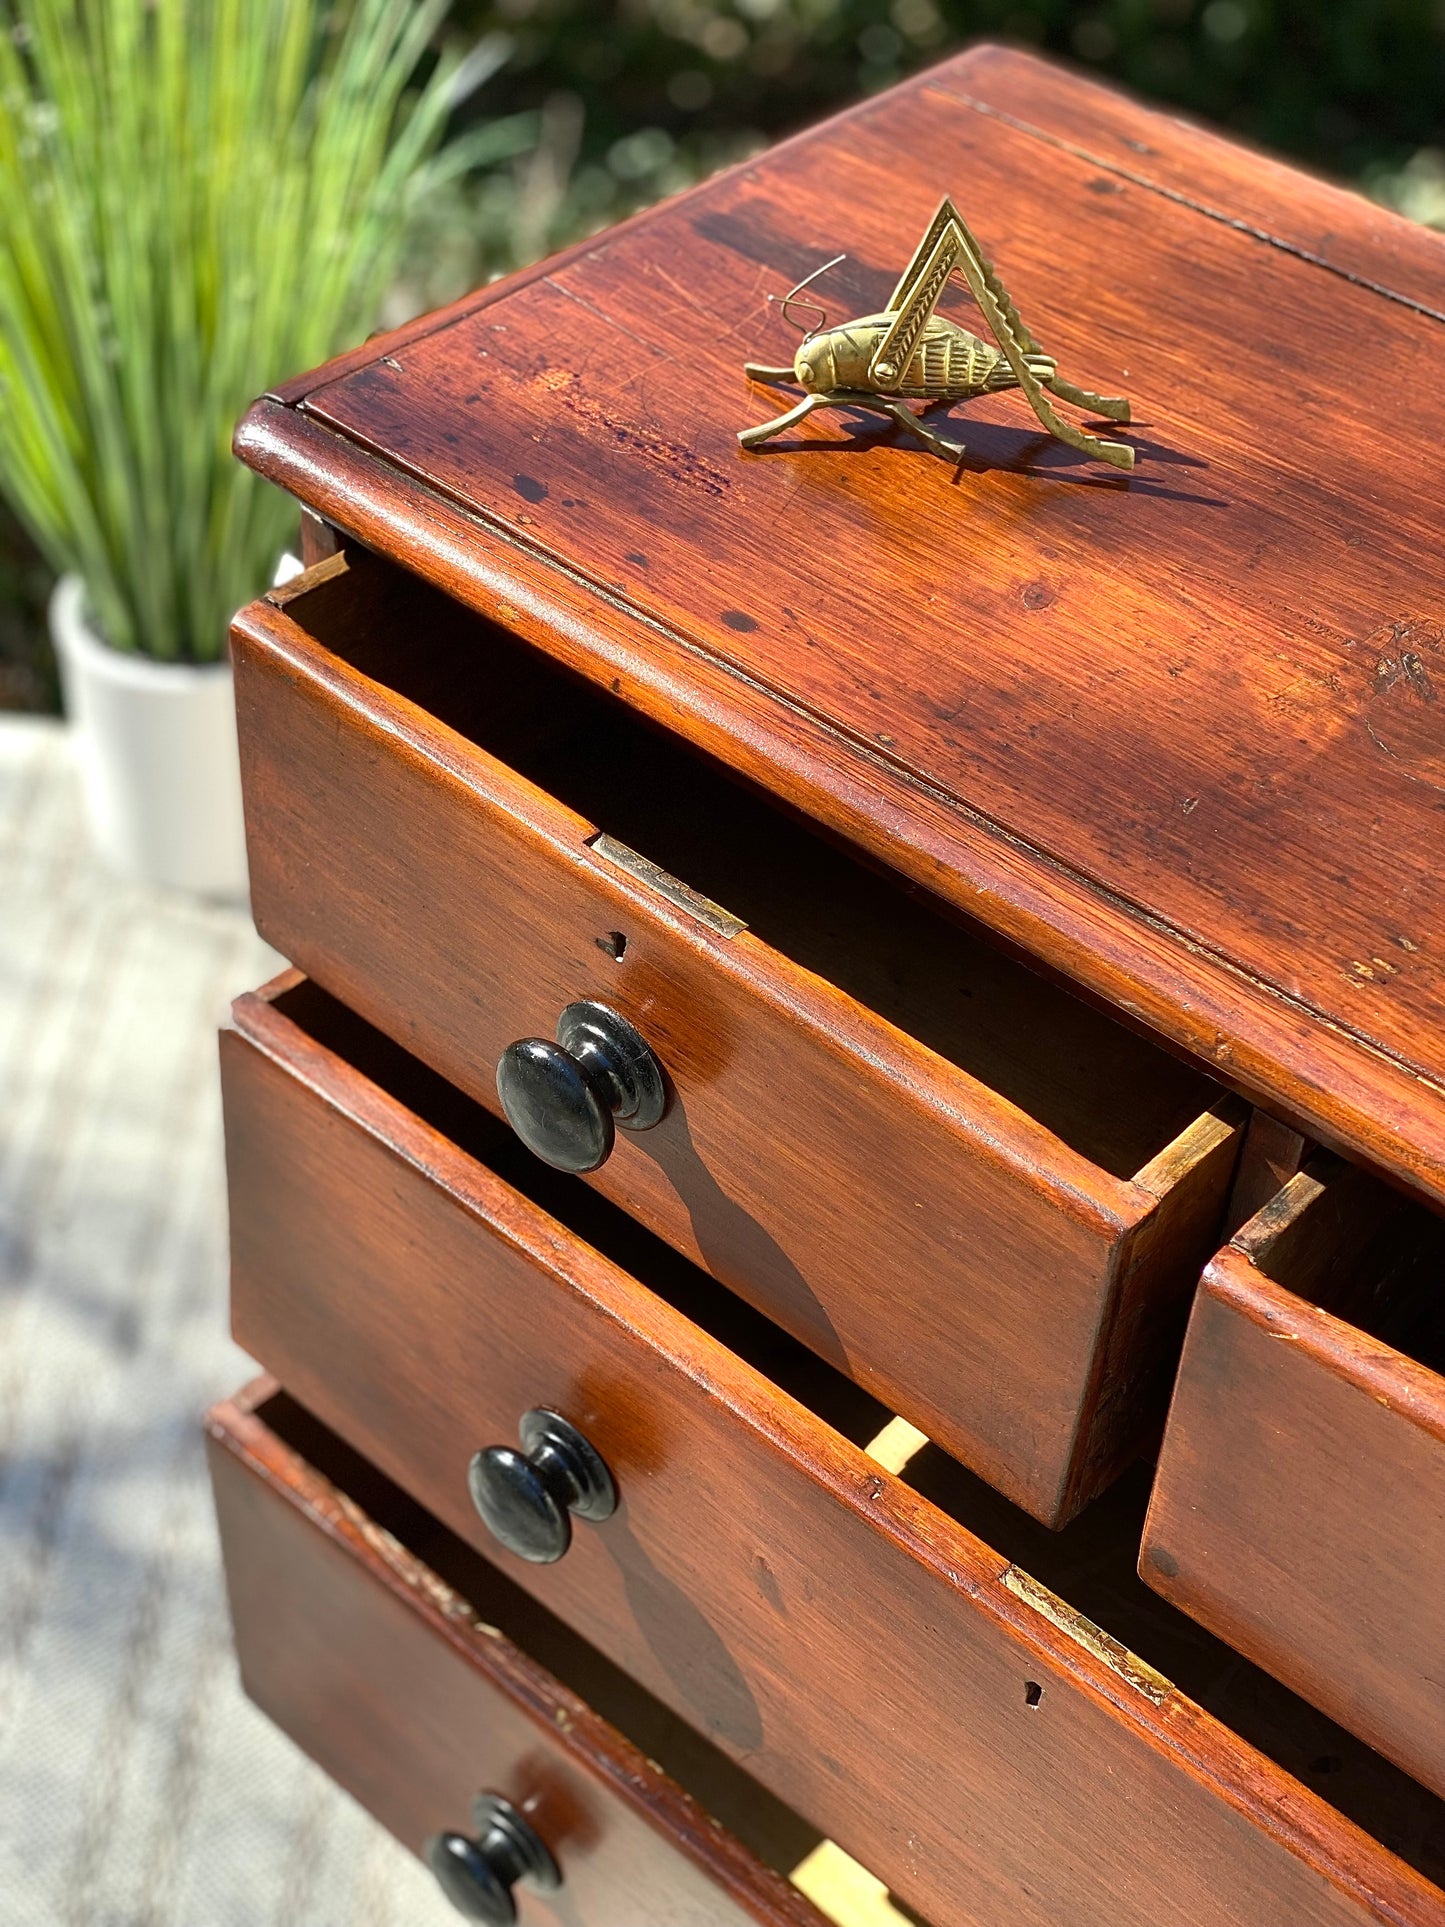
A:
(893, 1660)
(391, 1654)
(1299, 1508)
(983, 1200)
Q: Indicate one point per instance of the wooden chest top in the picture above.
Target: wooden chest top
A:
(1176, 733)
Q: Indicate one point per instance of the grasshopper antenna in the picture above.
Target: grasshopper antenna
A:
(789, 299)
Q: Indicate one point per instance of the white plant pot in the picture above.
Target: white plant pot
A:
(156, 746)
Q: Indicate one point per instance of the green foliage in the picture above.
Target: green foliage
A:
(196, 197)
(1341, 83)
(1416, 190)
(28, 677)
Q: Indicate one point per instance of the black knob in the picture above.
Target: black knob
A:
(527, 1498)
(477, 1876)
(564, 1100)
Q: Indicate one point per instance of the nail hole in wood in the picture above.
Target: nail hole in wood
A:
(614, 943)
(1033, 1692)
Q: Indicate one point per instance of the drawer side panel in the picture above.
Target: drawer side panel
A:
(1299, 1510)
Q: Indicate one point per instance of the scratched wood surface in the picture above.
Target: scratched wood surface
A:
(872, 1659)
(402, 1684)
(1297, 1510)
(1149, 727)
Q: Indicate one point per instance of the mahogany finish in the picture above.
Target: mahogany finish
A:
(1127, 722)
(909, 1691)
(395, 1681)
(1299, 1509)
(1010, 1271)
(951, 837)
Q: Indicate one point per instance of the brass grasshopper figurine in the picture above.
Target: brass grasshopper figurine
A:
(910, 351)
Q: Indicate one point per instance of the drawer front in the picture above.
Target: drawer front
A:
(872, 1662)
(814, 1158)
(388, 1679)
(1299, 1508)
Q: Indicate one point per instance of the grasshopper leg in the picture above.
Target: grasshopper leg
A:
(905, 418)
(764, 431)
(755, 371)
(1113, 408)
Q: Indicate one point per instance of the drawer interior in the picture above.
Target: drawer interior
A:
(768, 1828)
(1111, 1095)
(1340, 1239)
(1090, 1564)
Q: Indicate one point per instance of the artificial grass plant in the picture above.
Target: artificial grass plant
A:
(197, 197)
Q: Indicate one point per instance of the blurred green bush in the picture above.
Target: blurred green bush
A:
(1340, 82)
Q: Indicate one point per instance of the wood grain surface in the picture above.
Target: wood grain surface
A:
(1299, 1507)
(985, 1201)
(1215, 176)
(1145, 727)
(402, 1686)
(908, 1690)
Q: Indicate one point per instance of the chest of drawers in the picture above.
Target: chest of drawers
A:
(980, 894)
